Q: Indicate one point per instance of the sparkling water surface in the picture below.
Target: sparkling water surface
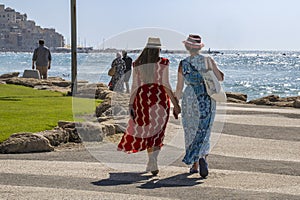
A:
(255, 73)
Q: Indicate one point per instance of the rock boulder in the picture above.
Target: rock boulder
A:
(90, 132)
(296, 103)
(268, 100)
(56, 136)
(9, 75)
(236, 97)
(25, 143)
(102, 108)
(275, 100)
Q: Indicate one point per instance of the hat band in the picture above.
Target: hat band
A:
(193, 43)
(153, 44)
(194, 40)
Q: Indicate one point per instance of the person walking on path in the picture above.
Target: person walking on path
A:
(41, 59)
(127, 73)
(198, 108)
(149, 104)
(117, 80)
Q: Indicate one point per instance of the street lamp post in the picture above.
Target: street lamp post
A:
(73, 48)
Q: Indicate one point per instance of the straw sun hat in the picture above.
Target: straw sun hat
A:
(153, 43)
(193, 41)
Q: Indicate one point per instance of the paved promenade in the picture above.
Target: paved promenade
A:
(257, 157)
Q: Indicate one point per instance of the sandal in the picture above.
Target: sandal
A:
(193, 170)
(203, 168)
(154, 173)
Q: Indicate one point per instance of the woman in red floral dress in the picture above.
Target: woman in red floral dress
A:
(149, 104)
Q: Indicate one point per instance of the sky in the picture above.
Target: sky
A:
(222, 24)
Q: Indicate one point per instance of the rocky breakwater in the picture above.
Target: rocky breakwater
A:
(275, 100)
(52, 83)
(270, 100)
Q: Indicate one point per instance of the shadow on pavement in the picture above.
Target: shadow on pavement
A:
(179, 180)
(148, 181)
(124, 178)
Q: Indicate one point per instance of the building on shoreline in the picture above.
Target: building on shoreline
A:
(19, 34)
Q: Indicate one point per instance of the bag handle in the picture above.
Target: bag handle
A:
(211, 65)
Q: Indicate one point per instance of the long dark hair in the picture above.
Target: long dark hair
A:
(148, 55)
(147, 63)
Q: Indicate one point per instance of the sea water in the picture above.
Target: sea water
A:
(255, 73)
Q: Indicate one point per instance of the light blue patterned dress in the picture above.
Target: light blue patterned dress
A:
(198, 110)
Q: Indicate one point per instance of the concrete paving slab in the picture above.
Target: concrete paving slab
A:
(43, 193)
(256, 148)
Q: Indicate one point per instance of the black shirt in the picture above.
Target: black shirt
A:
(128, 62)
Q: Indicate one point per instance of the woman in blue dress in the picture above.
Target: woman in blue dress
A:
(198, 108)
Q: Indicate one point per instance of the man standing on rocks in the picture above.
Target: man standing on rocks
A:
(127, 72)
(42, 59)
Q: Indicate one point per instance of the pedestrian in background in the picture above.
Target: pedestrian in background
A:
(127, 72)
(117, 80)
(41, 59)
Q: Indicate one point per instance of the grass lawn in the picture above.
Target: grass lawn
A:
(24, 109)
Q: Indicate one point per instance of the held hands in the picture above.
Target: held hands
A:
(176, 109)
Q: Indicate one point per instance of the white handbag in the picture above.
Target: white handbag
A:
(212, 84)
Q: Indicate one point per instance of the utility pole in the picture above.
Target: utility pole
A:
(73, 48)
